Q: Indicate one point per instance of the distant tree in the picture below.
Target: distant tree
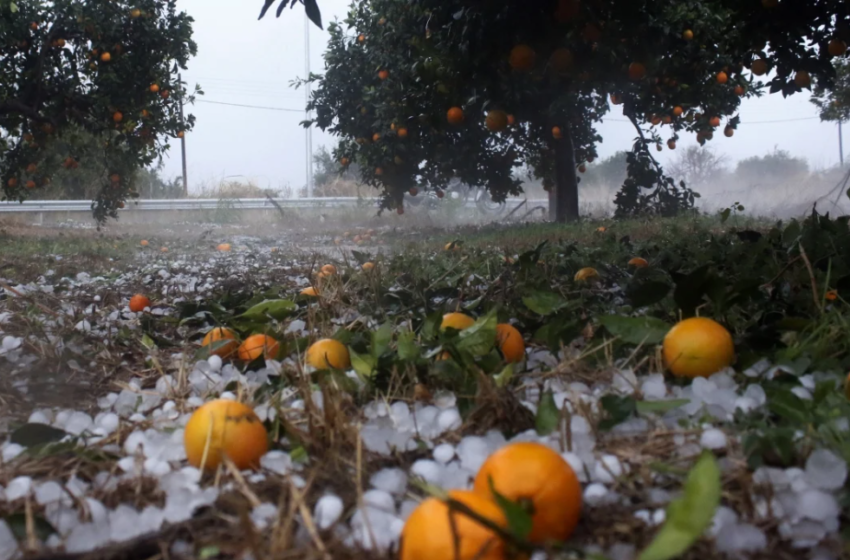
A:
(609, 172)
(834, 103)
(328, 170)
(151, 184)
(698, 166)
(778, 165)
(109, 67)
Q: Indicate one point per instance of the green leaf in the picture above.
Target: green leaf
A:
(312, 9)
(519, 519)
(690, 289)
(544, 303)
(480, 338)
(13, 7)
(148, 342)
(210, 551)
(619, 409)
(277, 309)
(381, 339)
(361, 257)
(690, 516)
(548, 414)
(408, 350)
(18, 524)
(635, 330)
(789, 406)
(431, 326)
(504, 377)
(362, 364)
(724, 215)
(30, 435)
(660, 407)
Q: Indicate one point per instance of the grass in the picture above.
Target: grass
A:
(766, 282)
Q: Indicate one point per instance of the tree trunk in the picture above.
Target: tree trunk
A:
(563, 198)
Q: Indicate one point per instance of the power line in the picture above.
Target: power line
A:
(249, 106)
(742, 122)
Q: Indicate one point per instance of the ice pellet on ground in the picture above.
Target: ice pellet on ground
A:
(473, 451)
(215, 363)
(444, 453)
(78, 423)
(736, 538)
(817, 505)
(825, 470)
(328, 510)
(263, 514)
(428, 470)
(18, 488)
(653, 387)
(622, 551)
(607, 469)
(8, 544)
(49, 492)
(276, 461)
(449, 419)
(595, 493)
(625, 382)
(577, 465)
(393, 481)
(713, 439)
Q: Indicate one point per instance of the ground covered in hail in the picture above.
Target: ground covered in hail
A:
(726, 437)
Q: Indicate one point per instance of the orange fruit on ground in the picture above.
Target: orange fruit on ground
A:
(561, 60)
(329, 269)
(457, 321)
(402, 132)
(687, 35)
(536, 475)
(837, 47)
(224, 247)
(677, 111)
(225, 428)
(587, 273)
(722, 77)
(496, 121)
(163, 249)
(729, 132)
(637, 70)
(154, 88)
(368, 266)
(145, 243)
(138, 303)
(105, 57)
(739, 91)
(510, 342)
(117, 116)
(698, 347)
(258, 345)
(226, 339)
(434, 532)
(714, 121)
(310, 292)
(328, 353)
(759, 67)
(556, 133)
(522, 58)
(384, 74)
(803, 79)
(638, 262)
(455, 115)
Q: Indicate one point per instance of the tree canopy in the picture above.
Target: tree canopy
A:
(105, 67)
(833, 100)
(422, 92)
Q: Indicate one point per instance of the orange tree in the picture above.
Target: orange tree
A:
(833, 100)
(106, 67)
(424, 91)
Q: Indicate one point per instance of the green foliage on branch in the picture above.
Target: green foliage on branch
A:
(105, 67)
(677, 67)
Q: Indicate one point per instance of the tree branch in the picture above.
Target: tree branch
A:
(643, 139)
(15, 106)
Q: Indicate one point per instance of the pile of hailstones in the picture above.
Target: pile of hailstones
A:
(800, 502)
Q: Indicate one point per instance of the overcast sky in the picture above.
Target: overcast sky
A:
(244, 61)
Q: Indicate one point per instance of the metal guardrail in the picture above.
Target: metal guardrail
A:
(187, 204)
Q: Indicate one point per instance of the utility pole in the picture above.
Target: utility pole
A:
(840, 143)
(183, 137)
(309, 130)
